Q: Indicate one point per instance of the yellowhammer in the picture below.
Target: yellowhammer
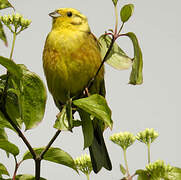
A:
(71, 58)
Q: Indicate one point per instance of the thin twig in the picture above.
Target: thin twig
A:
(16, 167)
(3, 109)
(121, 28)
(91, 82)
(40, 157)
(49, 144)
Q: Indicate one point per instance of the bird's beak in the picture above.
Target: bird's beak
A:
(54, 14)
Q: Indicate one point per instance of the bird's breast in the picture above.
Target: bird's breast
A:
(70, 60)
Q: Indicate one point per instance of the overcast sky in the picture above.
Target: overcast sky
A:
(155, 104)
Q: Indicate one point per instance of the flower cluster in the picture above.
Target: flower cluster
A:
(84, 164)
(147, 136)
(123, 139)
(17, 21)
(159, 169)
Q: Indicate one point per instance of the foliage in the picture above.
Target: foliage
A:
(96, 106)
(117, 58)
(55, 155)
(23, 101)
(126, 12)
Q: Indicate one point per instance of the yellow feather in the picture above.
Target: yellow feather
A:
(71, 56)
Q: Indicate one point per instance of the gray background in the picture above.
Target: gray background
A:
(155, 104)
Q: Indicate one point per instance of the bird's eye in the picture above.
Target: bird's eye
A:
(69, 14)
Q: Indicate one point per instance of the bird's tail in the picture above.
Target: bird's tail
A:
(98, 152)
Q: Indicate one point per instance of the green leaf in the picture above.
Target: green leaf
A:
(4, 136)
(117, 58)
(96, 105)
(4, 123)
(136, 76)
(2, 34)
(87, 128)
(26, 98)
(115, 2)
(5, 4)
(13, 107)
(32, 99)
(61, 122)
(126, 12)
(3, 170)
(122, 169)
(142, 175)
(11, 67)
(25, 177)
(69, 114)
(9, 147)
(55, 155)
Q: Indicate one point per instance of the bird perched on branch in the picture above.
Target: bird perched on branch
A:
(71, 58)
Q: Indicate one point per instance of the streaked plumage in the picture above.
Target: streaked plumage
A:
(71, 58)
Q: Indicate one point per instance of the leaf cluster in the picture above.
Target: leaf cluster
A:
(23, 95)
(117, 58)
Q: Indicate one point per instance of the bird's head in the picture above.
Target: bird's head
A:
(69, 18)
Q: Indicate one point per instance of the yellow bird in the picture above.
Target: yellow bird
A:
(71, 58)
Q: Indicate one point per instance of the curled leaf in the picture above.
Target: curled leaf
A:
(61, 122)
(136, 76)
(117, 58)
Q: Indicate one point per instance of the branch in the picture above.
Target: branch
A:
(16, 167)
(37, 168)
(91, 82)
(40, 157)
(3, 109)
(49, 144)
